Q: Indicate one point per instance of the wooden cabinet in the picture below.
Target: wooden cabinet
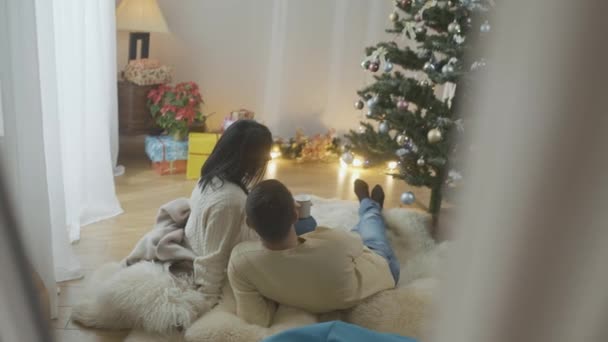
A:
(133, 114)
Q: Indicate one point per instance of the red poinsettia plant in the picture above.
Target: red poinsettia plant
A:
(177, 108)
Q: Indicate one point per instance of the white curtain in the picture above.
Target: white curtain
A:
(85, 50)
(530, 261)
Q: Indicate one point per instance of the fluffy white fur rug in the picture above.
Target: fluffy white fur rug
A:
(160, 308)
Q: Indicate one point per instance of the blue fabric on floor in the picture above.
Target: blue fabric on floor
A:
(334, 331)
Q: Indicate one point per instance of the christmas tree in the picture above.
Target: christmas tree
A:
(415, 126)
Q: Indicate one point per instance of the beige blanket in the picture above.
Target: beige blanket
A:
(165, 242)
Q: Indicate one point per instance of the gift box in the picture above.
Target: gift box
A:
(172, 167)
(168, 156)
(200, 146)
(241, 114)
(147, 72)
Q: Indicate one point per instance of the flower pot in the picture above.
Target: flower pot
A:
(179, 135)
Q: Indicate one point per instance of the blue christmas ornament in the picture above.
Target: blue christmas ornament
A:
(402, 152)
(372, 102)
(411, 146)
(388, 67)
(383, 127)
(485, 27)
(408, 197)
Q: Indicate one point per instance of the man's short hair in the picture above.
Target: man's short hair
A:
(270, 210)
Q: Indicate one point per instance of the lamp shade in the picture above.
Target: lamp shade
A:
(140, 16)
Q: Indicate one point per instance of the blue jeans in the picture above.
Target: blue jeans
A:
(372, 229)
(305, 225)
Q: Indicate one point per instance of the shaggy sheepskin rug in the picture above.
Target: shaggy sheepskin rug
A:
(159, 307)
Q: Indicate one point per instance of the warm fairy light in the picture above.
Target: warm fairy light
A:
(343, 164)
(275, 154)
(357, 162)
(392, 165)
(271, 169)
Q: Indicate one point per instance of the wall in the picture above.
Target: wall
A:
(295, 63)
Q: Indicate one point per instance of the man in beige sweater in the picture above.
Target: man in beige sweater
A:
(321, 271)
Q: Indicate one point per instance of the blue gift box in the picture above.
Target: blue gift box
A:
(165, 148)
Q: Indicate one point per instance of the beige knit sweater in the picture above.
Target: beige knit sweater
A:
(215, 226)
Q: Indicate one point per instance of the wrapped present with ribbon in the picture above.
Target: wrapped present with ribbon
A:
(200, 146)
(234, 116)
(167, 155)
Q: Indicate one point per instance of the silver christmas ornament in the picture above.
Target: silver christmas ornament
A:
(428, 66)
(347, 157)
(401, 139)
(420, 161)
(359, 104)
(393, 16)
(383, 127)
(388, 67)
(408, 197)
(420, 29)
(434, 136)
(453, 27)
(485, 27)
(365, 64)
(447, 69)
(369, 114)
(458, 39)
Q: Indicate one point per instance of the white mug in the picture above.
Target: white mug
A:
(305, 204)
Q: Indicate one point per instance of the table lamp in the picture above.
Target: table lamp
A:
(140, 17)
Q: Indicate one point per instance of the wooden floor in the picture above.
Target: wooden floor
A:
(141, 192)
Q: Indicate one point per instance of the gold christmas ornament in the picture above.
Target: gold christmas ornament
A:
(434, 136)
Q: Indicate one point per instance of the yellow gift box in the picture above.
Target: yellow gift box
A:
(200, 146)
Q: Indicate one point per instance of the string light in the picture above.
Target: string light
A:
(275, 152)
(392, 165)
(357, 162)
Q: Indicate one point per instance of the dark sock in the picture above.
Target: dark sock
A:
(378, 195)
(361, 189)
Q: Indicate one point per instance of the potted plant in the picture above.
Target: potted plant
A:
(176, 109)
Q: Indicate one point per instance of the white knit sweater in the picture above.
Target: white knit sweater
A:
(216, 225)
